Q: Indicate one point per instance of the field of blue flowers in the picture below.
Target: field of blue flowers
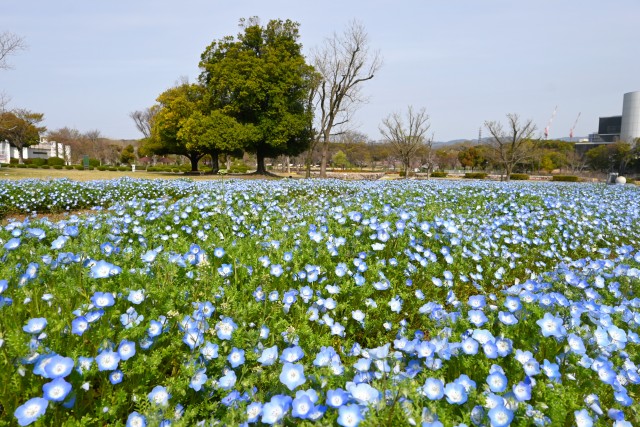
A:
(320, 303)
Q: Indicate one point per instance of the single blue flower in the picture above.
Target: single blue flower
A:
(350, 415)
(292, 375)
(79, 325)
(31, 410)
(269, 356)
(56, 390)
(59, 367)
(236, 357)
(228, 381)
(108, 360)
(136, 420)
(500, 416)
(497, 382)
(116, 377)
(35, 325)
(456, 394)
(126, 349)
(301, 407)
(551, 325)
(433, 388)
(159, 396)
(225, 328)
(198, 379)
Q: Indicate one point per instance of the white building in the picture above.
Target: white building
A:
(42, 150)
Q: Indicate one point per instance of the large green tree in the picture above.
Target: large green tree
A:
(176, 105)
(20, 128)
(261, 80)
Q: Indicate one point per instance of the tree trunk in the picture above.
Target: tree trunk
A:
(20, 156)
(214, 162)
(260, 167)
(194, 162)
(325, 154)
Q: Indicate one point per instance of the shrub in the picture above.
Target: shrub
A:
(68, 167)
(94, 162)
(519, 177)
(79, 167)
(438, 174)
(475, 175)
(102, 168)
(565, 178)
(124, 168)
(22, 166)
(32, 166)
(38, 162)
(45, 167)
(57, 166)
(13, 161)
(113, 168)
(238, 167)
(55, 161)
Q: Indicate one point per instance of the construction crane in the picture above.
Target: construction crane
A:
(546, 130)
(573, 128)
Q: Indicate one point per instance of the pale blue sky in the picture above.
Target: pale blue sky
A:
(90, 63)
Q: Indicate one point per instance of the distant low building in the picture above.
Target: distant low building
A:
(43, 150)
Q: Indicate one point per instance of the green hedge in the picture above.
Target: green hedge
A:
(22, 166)
(45, 167)
(475, 175)
(438, 174)
(519, 177)
(565, 178)
(55, 161)
(57, 166)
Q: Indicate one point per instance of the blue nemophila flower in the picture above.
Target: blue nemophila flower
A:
(336, 397)
(456, 393)
(84, 364)
(228, 380)
(136, 297)
(583, 419)
(433, 388)
(350, 415)
(477, 317)
(131, 318)
(236, 357)
(276, 270)
(198, 379)
(59, 242)
(79, 325)
(254, 409)
(126, 349)
(31, 410)
(274, 410)
(497, 382)
(56, 390)
(136, 420)
(269, 356)
(363, 393)
(551, 325)
(500, 416)
(395, 304)
(292, 375)
(225, 328)
(107, 360)
(12, 244)
(264, 332)
(35, 325)
(103, 269)
(58, 367)
(159, 396)
(292, 354)
(102, 299)
(116, 377)
(225, 270)
(301, 407)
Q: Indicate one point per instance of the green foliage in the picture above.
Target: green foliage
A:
(565, 178)
(519, 177)
(438, 174)
(20, 128)
(55, 161)
(37, 162)
(262, 81)
(475, 175)
(127, 155)
(102, 168)
(339, 159)
(69, 167)
(238, 166)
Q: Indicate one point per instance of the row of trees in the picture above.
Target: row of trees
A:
(256, 93)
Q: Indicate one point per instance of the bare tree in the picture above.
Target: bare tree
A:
(343, 62)
(144, 119)
(406, 138)
(9, 45)
(512, 145)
